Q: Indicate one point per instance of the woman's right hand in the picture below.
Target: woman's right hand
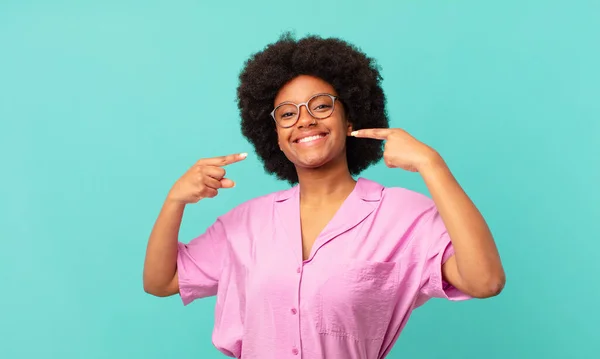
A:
(203, 179)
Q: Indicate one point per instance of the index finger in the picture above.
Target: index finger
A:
(376, 133)
(223, 160)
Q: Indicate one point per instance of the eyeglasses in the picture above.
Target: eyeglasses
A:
(319, 106)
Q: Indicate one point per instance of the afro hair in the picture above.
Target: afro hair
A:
(354, 76)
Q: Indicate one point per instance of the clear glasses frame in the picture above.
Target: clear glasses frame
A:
(305, 104)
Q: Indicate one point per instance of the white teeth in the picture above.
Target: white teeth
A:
(310, 138)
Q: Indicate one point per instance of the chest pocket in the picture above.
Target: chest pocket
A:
(358, 300)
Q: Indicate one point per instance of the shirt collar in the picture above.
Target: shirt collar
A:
(365, 189)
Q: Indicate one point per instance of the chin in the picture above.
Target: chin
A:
(314, 159)
(311, 162)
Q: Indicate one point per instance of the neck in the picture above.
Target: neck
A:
(320, 186)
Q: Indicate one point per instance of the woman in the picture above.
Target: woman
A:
(332, 267)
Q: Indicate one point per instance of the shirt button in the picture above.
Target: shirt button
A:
(295, 351)
(294, 311)
(298, 270)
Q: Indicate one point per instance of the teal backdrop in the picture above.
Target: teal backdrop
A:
(103, 105)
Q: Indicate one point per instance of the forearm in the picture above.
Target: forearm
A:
(160, 265)
(476, 256)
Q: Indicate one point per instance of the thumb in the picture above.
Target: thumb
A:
(227, 183)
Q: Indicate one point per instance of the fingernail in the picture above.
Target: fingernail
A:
(353, 133)
(243, 155)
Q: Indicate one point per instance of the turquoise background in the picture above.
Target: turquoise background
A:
(103, 105)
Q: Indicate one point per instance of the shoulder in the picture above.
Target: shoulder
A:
(397, 199)
(255, 208)
(393, 194)
(410, 213)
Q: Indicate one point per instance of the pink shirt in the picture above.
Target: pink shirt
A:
(379, 258)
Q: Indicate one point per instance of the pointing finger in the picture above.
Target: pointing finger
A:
(376, 133)
(223, 160)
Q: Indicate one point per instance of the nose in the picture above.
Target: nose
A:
(304, 117)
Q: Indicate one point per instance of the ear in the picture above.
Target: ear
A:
(350, 128)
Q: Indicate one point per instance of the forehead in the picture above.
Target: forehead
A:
(301, 88)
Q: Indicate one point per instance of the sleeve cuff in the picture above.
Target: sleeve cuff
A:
(438, 287)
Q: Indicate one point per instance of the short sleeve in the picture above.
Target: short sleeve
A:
(200, 263)
(438, 249)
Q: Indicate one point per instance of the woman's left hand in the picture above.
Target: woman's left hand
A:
(402, 150)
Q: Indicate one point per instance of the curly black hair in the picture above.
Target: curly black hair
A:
(352, 74)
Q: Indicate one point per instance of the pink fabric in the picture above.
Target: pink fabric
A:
(377, 260)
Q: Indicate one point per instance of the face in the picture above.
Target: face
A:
(312, 142)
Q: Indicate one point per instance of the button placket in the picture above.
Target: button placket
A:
(294, 310)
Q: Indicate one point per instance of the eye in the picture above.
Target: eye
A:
(286, 111)
(321, 104)
(322, 107)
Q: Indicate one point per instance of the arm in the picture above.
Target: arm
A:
(203, 180)
(475, 268)
(160, 266)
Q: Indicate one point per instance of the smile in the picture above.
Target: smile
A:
(311, 138)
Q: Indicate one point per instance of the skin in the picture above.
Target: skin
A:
(203, 180)
(323, 174)
(325, 182)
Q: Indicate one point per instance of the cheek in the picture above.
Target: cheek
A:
(343, 128)
(282, 137)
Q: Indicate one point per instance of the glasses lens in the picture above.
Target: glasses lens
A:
(321, 106)
(286, 115)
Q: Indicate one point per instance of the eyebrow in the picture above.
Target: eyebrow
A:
(309, 97)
